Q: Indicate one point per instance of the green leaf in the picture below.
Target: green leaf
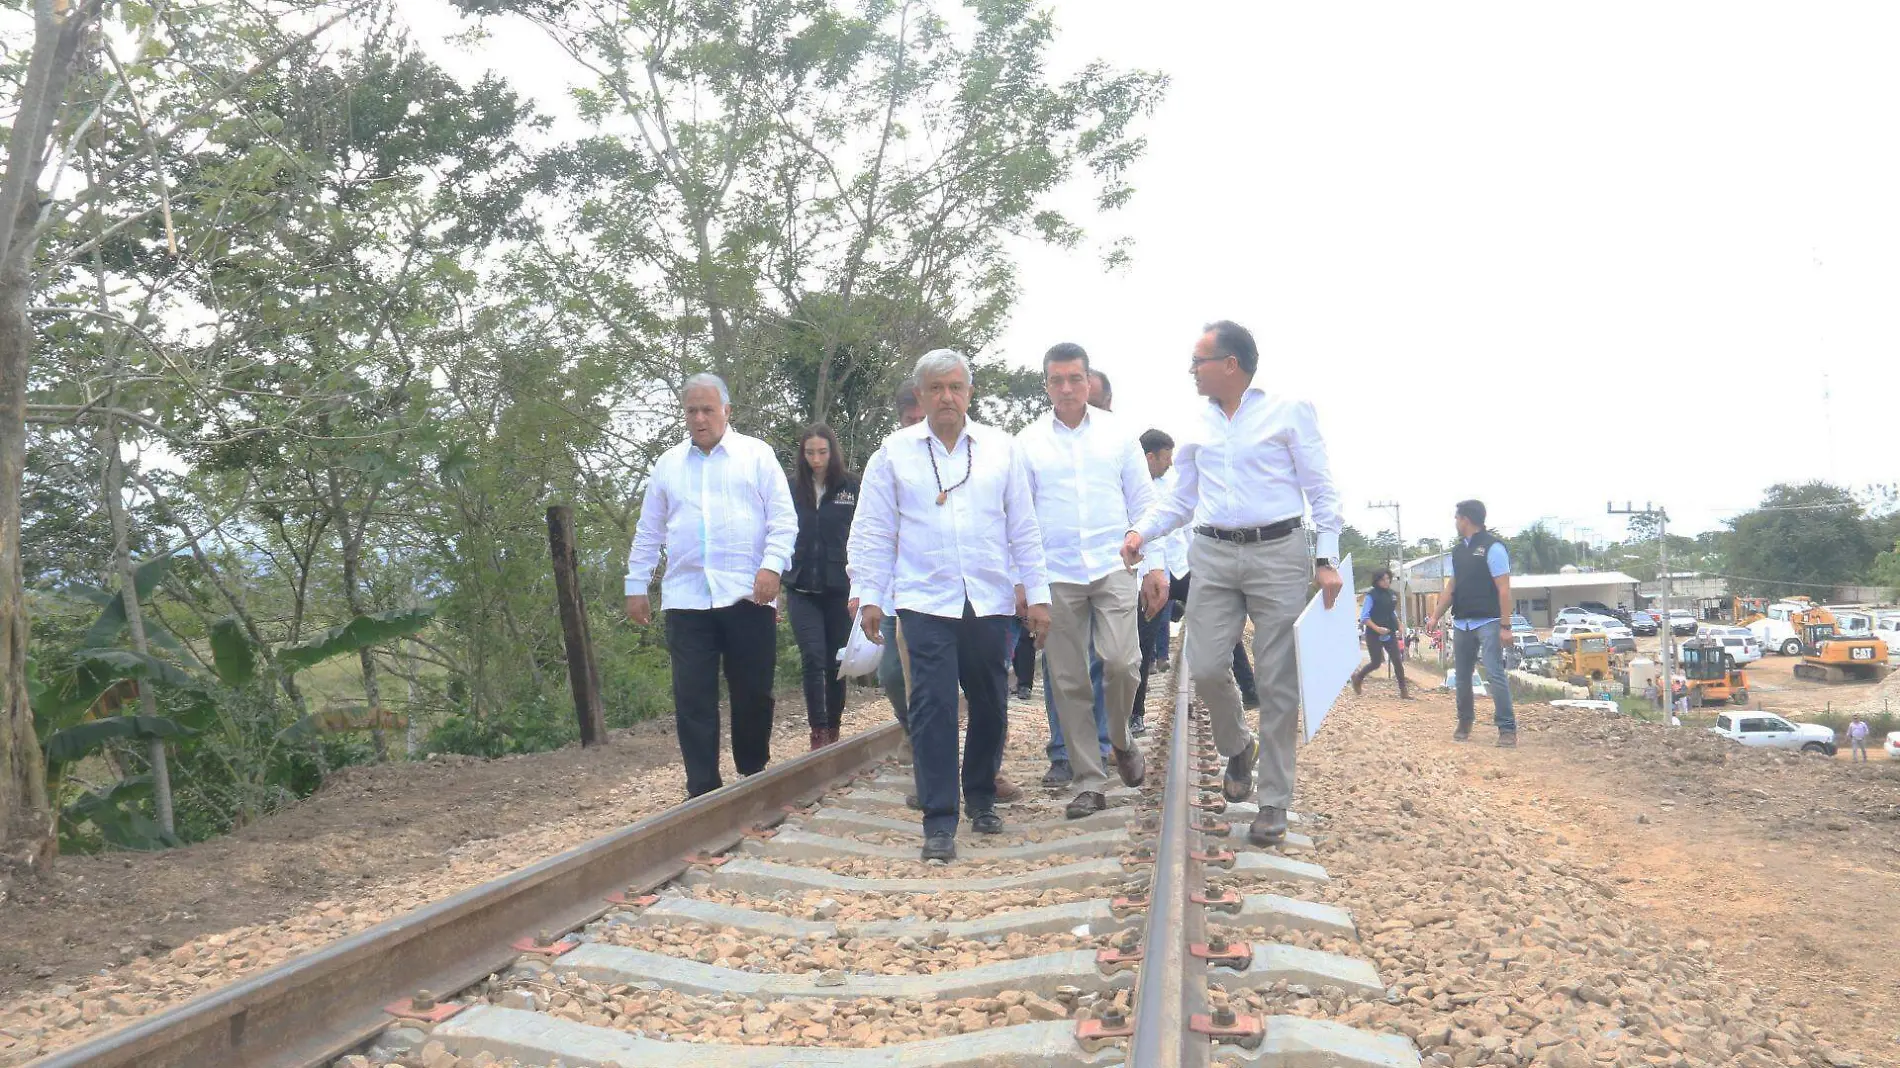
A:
(105, 630)
(232, 655)
(73, 743)
(120, 824)
(359, 633)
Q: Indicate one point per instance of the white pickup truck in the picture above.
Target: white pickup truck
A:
(1770, 731)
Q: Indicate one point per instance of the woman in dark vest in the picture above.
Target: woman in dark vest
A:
(826, 497)
(1381, 619)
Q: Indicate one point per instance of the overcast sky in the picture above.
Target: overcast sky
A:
(1543, 256)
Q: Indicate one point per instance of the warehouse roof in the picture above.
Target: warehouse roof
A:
(1575, 578)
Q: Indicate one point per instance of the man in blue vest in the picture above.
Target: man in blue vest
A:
(1477, 594)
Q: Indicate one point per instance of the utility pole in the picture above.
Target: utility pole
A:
(583, 677)
(1398, 529)
(1666, 630)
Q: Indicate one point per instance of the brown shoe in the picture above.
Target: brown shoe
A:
(1358, 683)
(1086, 803)
(1130, 765)
(1507, 739)
(1007, 791)
(1463, 733)
(817, 738)
(1269, 827)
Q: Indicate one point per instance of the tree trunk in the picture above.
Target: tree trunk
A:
(114, 486)
(25, 815)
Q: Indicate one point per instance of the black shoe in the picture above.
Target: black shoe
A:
(910, 801)
(1269, 827)
(1358, 681)
(1161, 666)
(1237, 783)
(986, 822)
(1059, 774)
(1086, 803)
(1023, 693)
(1130, 766)
(1138, 726)
(1462, 734)
(940, 847)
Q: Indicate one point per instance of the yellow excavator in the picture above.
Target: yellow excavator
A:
(1825, 657)
(1582, 659)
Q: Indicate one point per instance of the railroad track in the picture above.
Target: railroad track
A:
(787, 921)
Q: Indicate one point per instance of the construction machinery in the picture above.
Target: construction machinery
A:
(1828, 656)
(1582, 658)
(1711, 673)
(1746, 610)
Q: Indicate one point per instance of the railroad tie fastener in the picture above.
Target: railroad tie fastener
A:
(1094, 1035)
(1225, 1025)
(423, 1006)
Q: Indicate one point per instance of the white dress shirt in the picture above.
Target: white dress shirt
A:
(1265, 464)
(722, 517)
(1090, 485)
(907, 551)
(1172, 548)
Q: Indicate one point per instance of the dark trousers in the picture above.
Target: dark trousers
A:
(1377, 650)
(820, 624)
(1152, 636)
(1243, 671)
(1025, 662)
(946, 654)
(744, 636)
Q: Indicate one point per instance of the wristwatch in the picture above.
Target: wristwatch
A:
(1325, 561)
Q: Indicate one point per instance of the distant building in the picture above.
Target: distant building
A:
(1537, 598)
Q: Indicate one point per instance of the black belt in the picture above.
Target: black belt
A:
(1250, 535)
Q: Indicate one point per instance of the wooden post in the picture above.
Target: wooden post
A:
(582, 676)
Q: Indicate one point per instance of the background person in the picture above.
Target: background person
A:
(1381, 619)
(1857, 737)
(1248, 471)
(1476, 595)
(825, 496)
(933, 501)
(1157, 451)
(718, 504)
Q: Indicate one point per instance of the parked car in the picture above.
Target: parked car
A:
(1621, 615)
(1522, 628)
(1573, 614)
(1477, 682)
(1769, 731)
(1682, 621)
(1738, 642)
(1586, 704)
(1643, 624)
(1893, 745)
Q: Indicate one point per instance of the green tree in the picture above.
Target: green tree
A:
(1802, 538)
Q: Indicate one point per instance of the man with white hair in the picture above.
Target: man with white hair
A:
(932, 504)
(720, 506)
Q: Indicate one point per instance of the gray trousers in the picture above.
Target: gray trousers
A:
(1107, 608)
(1266, 582)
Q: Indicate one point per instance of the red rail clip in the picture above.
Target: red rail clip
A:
(1245, 1031)
(1110, 961)
(1220, 858)
(1092, 1035)
(762, 832)
(1228, 901)
(640, 901)
(705, 860)
(432, 1012)
(1232, 954)
(1218, 804)
(1220, 827)
(537, 947)
(1126, 906)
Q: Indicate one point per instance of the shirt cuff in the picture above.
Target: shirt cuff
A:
(776, 564)
(1327, 545)
(1036, 594)
(635, 586)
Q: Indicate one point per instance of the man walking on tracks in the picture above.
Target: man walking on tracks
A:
(1381, 619)
(719, 505)
(1477, 595)
(1089, 483)
(1248, 470)
(934, 500)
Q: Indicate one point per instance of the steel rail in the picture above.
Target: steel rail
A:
(319, 1006)
(1171, 989)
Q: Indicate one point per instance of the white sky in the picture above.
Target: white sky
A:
(1542, 256)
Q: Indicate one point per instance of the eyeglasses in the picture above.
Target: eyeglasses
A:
(1196, 361)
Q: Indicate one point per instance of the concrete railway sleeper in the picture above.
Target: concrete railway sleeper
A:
(809, 934)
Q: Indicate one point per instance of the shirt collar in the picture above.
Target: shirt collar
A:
(1060, 427)
(1213, 403)
(724, 439)
(921, 431)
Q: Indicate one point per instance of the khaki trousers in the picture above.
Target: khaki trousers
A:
(1110, 604)
(1266, 582)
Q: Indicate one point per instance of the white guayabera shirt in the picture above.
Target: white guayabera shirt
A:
(722, 516)
(907, 551)
(1091, 485)
(1264, 465)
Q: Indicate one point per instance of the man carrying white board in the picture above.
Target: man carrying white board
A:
(1248, 471)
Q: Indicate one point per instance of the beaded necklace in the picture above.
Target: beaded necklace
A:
(969, 462)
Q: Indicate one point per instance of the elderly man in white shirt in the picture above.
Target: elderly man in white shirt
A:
(945, 526)
(1245, 475)
(719, 504)
(1086, 474)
